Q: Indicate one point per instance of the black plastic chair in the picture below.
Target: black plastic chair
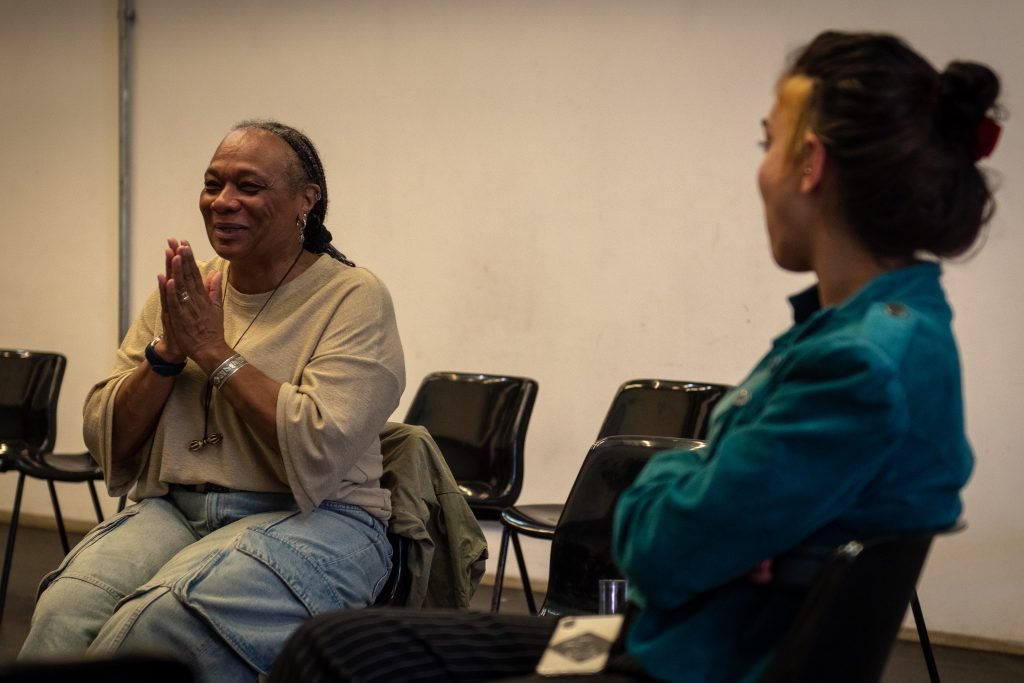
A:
(479, 422)
(29, 388)
(847, 624)
(581, 550)
(652, 407)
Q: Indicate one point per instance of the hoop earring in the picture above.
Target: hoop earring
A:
(300, 223)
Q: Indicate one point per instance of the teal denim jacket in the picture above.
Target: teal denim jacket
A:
(850, 427)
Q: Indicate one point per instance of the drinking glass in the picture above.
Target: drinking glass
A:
(611, 596)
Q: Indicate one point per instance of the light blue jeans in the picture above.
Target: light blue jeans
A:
(220, 579)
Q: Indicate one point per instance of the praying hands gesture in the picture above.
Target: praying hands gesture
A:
(192, 317)
(191, 311)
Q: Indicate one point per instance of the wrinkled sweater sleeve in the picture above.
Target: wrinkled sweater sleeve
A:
(329, 418)
(98, 413)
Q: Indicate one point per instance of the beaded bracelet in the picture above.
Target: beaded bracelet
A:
(226, 369)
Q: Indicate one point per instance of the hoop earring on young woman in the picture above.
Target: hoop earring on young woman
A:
(300, 222)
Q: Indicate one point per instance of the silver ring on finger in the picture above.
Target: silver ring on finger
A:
(185, 298)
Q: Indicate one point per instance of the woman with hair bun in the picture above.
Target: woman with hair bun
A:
(851, 427)
(242, 417)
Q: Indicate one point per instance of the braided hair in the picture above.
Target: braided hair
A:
(316, 236)
(901, 136)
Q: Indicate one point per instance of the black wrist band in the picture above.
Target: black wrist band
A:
(159, 365)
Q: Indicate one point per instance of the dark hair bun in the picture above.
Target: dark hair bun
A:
(903, 141)
(967, 91)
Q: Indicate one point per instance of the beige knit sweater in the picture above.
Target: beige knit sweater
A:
(330, 337)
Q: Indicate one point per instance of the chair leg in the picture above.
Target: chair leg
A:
(523, 575)
(58, 516)
(499, 574)
(95, 501)
(121, 503)
(922, 635)
(11, 533)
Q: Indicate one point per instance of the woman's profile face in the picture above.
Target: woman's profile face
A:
(779, 177)
(249, 202)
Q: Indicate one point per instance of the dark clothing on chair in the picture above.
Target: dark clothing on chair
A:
(388, 645)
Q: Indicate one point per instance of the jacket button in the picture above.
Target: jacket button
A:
(742, 398)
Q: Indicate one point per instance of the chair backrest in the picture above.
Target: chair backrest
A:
(29, 388)
(479, 422)
(581, 552)
(846, 625)
(661, 407)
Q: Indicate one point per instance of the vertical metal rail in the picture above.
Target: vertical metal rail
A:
(126, 24)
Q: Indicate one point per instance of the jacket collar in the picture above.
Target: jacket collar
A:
(807, 307)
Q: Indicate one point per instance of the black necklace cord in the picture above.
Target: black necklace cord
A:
(216, 437)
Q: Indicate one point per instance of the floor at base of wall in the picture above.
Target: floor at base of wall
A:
(37, 551)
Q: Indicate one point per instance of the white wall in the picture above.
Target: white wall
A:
(58, 190)
(565, 190)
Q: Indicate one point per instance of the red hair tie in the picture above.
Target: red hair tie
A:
(986, 135)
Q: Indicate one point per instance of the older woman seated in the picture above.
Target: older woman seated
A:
(243, 415)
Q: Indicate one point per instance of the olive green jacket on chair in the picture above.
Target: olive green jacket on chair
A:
(449, 551)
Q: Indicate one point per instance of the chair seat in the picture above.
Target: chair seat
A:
(484, 500)
(536, 521)
(67, 467)
(477, 492)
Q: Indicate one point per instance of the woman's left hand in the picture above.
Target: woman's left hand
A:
(195, 311)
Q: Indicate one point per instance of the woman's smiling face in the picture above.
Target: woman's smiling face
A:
(253, 197)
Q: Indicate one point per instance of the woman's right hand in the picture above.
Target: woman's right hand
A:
(139, 401)
(194, 310)
(168, 347)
